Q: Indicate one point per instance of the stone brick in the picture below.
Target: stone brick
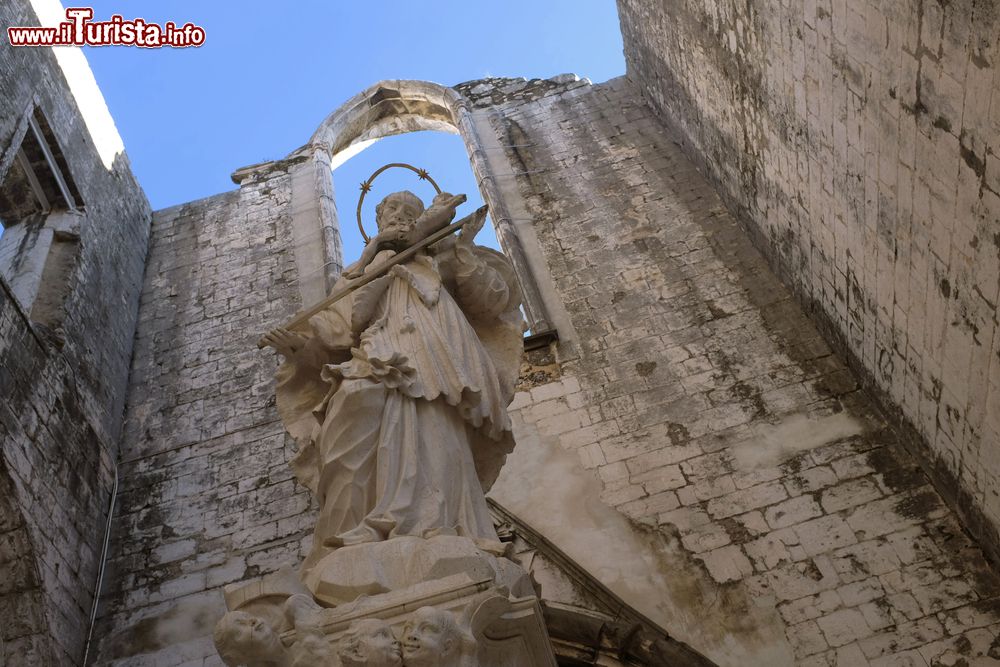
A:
(810, 480)
(866, 558)
(797, 580)
(727, 564)
(877, 614)
(850, 494)
(843, 627)
(856, 593)
(880, 517)
(809, 608)
(685, 518)
(705, 539)
(824, 534)
(806, 638)
(747, 499)
(706, 490)
(850, 655)
(906, 636)
(775, 548)
(791, 512)
(942, 595)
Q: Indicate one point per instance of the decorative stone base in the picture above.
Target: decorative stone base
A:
(406, 602)
(373, 568)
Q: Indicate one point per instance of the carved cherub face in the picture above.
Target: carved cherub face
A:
(430, 636)
(397, 214)
(312, 650)
(242, 638)
(370, 643)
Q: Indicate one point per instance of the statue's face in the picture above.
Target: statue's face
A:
(252, 637)
(383, 649)
(425, 640)
(397, 216)
(376, 646)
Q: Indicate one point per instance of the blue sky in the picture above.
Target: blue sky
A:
(269, 73)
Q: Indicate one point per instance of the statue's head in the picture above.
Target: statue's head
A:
(397, 213)
(432, 637)
(369, 643)
(243, 639)
(312, 649)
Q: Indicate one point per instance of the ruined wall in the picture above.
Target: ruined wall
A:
(207, 496)
(702, 451)
(63, 386)
(691, 440)
(857, 141)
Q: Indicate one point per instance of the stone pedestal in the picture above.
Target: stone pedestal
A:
(363, 570)
(405, 602)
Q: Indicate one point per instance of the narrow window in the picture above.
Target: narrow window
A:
(40, 209)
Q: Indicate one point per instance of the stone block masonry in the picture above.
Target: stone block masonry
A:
(788, 522)
(698, 442)
(858, 143)
(62, 381)
(698, 446)
(207, 495)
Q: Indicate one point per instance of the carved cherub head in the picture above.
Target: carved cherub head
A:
(244, 639)
(312, 650)
(397, 214)
(433, 638)
(369, 643)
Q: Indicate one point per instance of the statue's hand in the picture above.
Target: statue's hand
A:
(353, 271)
(472, 227)
(357, 269)
(446, 201)
(285, 342)
(438, 215)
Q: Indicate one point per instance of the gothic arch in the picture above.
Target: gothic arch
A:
(389, 108)
(394, 107)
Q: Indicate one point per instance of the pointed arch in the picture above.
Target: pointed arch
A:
(394, 107)
(386, 109)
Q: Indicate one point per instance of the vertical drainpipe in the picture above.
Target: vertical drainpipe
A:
(101, 568)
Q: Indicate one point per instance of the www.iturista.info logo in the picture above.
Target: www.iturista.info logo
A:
(79, 30)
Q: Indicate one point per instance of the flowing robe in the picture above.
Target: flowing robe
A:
(399, 400)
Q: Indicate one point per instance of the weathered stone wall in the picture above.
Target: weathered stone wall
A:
(858, 142)
(207, 495)
(696, 445)
(63, 391)
(702, 451)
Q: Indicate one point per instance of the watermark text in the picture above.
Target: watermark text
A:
(79, 29)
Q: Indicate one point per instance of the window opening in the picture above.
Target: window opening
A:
(39, 223)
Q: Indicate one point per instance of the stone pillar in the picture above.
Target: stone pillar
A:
(315, 231)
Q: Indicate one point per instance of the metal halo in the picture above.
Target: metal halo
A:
(367, 186)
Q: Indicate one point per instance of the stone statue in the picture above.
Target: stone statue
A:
(312, 650)
(311, 647)
(396, 389)
(369, 643)
(244, 639)
(433, 638)
(398, 393)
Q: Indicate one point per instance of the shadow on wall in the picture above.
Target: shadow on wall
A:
(547, 487)
(185, 626)
(23, 638)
